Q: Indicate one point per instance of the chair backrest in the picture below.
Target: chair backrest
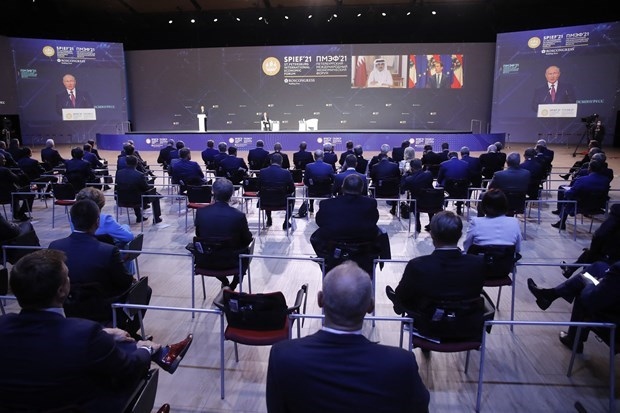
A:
(516, 202)
(594, 202)
(138, 294)
(143, 399)
(250, 184)
(387, 188)
(273, 195)
(321, 186)
(457, 188)
(430, 200)
(260, 312)
(199, 194)
(215, 253)
(298, 175)
(499, 260)
(134, 245)
(63, 191)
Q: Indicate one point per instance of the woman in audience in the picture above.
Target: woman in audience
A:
(495, 228)
(405, 164)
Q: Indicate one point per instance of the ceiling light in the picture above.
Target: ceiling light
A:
(359, 14)
(238, 19)
(215, 20)
(309, 16)
(260, 18)
(384, 14)
(433, 12)
(335, 15)
(286, 17)
(169, 21)
(193, 20)
(408, 13)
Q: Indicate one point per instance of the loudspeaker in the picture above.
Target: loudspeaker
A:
(10, 128)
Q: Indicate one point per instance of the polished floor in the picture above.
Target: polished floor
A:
(525, 370)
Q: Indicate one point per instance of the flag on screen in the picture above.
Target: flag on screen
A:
(360, 72)
(457, 71)
(412, 72)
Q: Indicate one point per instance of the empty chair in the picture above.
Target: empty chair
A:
(197, 197)
(134, 245)
(64, 195)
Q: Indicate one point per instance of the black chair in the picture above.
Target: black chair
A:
(143, 399)
(134, 245)
(273, 197)
(249, 187)
(387, 189)
(128, 200)
(456, 189)
(500, 264)
(335, 252)
(198, 196)
(430, 201)
(64, 195)
(132, 319)
(594, 203)
(516, 203)
(446, 326)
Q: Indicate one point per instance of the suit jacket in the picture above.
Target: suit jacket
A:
(31, 167)
(222, 220)
(258, 158)
(8, 158)
(301, 159)
(398, 154)
(384, 169)
(274, 175)
(343, 157)
(348, 217)
(511, 180)
(444, 274)
(475, 170)
(50, 362)
(286, 164)
(452, 169)
(92, 159)
(362, 165)
(330, 158)
(131, 184)
(339, 179)
(444, 83)
(344, 373)
(187, 171)
(82, 100)
(51, 157)
(91, 261)
(208, 156)
(491, 162)
(164, 155)
(316, 172)
(234, 168)
(416, 181)
(431, 158)
(500, 230)
(78, 172)
(585, 184)
(564, 93)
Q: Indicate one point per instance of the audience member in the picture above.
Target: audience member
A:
(302, 157)
(78, 172)
(132, 184)
(208, 155)
(277, 149)
(415, 182)
(451, 171)
(258, 158)
(431, 160)
(491, 162)
(164, 154)
(398, 153)
(50, 156)
(343, 156)
(513, 178)
(329, 156)
(187, 172)
(233, 167)
(9, 161)
(475, 169)
(318, 178)
(405, 162)
(385, 170)
(361, 164)
(383, 153)
(11, 182)
(275, 175)
(445, 151)
(537, 173)
(495, 228)
(349, 372)
(349, 168)
(595, 294)
(51, 362)
(222, 222)
(222, 148)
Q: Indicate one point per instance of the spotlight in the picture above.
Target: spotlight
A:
(384, 14)
(260, 18)
(335, 15)
(169, 21)
(215, 20)
(359, 14)
(193, 20)
(238, 19)
(433, 12)
(309, 16)
(408, 13)
(286, 17)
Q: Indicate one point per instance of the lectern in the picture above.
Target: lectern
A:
(202, 122)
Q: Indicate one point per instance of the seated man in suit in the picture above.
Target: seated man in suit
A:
(350, 372)
(415, 182)
(360, 224)
(431, 160)
(454, 169)
(475, 170)
(233, 167)
(164, 155)
(581, 188)
(52, 362)
(491, 162)
(383, 153)
(595, 294)
(329, 156)
(258, 158)
(208, 155)
(513, 179)
(446, 273)
(385, 171)
(276, 176)
(50, 156)
(222, 148)
(348, 168)
(132, 184)
(129, 150)
(362, 163)
(98, 275)
(187, 171)
(277, 149)
(343, 156)
(11, 182)
(34, 169)
(220, 221)
(318, 178)
(537, 173)
(78, 171)
(302, 157)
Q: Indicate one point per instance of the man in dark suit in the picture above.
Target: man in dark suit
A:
(77, 171)
(343, 155)
(277, 149)
(475, 170)
(222, 148)
(385, 170)
(50, 156)
(91, 262)
(233, 167)
(553, 91)
(431, 160)
(414, 182)
(349, 168)
(275, 175)
(350, 372)
(491, 162)
(164, 154)
(452, 170)
(70, 98)
(258, 158)
(446, 272)
(302, 157)
(224, 222)
(11, 182)
(362, 163)
(265, 122)
(383, 153)
(513, 178)
(9, 161)
(186, 170)
(132, 184)
(34, 169)
(439, 80)
(594, 296)
(51, 361)
(329, 156)
(318, 178)
(208, 155)
(537, 174)
(398, 153)
(445, 152)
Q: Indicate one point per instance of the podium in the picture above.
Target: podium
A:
(71, 114)
(202, 122)
(557, 110)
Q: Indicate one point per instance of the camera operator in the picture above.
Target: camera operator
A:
(597, 132)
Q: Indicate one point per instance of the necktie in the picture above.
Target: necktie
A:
(437, 80)
(553, 92)
(72, 97)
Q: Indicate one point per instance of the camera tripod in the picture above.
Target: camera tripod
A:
(586, 134)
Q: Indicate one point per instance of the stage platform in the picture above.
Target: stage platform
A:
(245, 140)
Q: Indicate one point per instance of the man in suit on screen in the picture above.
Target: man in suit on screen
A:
(70, 98)
(553, 91)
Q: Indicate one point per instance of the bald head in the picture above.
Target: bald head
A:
(346, 297)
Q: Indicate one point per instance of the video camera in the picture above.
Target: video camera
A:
(590, 119)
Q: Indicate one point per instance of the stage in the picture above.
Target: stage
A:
(245, 140)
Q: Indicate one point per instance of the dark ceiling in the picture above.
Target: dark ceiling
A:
(160, 24)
